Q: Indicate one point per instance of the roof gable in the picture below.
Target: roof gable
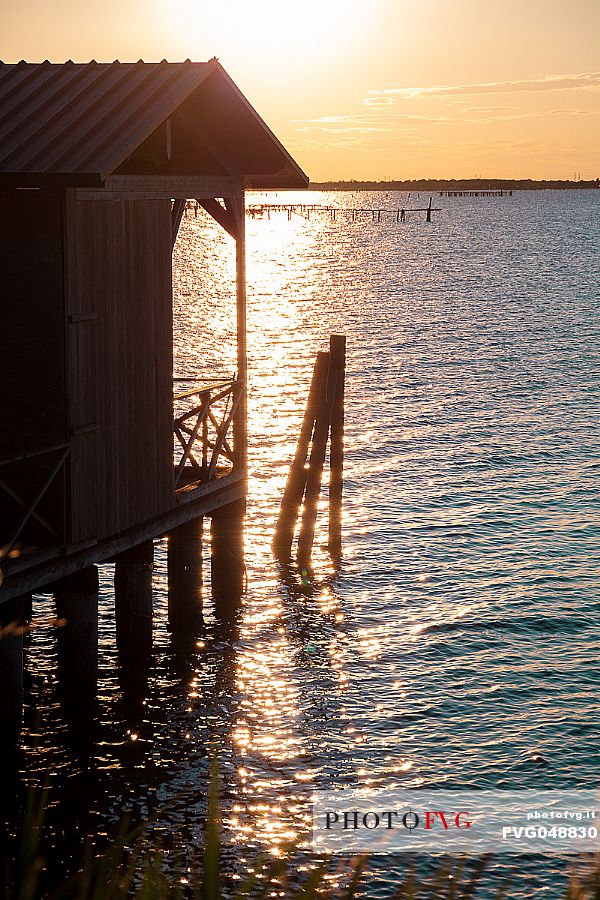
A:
(79, 123)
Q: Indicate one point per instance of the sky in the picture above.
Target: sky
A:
(368, 89)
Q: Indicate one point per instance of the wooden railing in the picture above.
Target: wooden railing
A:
(203, 447)
(15, 483)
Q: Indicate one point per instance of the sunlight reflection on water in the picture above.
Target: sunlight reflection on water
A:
(458, 644)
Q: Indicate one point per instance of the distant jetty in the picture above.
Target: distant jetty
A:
(454, 185)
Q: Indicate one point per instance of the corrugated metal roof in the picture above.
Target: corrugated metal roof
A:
(76, 119)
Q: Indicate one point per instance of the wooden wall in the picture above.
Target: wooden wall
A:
(32, 340)
(32, 360)
(120, 355)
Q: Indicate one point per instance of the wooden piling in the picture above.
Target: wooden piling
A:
(11, 670)
(296, 480)
(227, 557)
(337, 365)
(184, 570)
(27, 606)
(76, 599)
(428, 217)
(133, 601)
(315, 469)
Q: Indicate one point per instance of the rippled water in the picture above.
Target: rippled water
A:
(458, 644)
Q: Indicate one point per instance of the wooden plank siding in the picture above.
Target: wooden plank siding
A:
(32, 361)
(122, 272)
(32, 340)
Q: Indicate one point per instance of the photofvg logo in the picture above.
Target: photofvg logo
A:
(390, 818)
(547, 822)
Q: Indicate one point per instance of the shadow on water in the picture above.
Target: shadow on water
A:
(106, 750)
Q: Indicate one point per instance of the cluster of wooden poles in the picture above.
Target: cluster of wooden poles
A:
(323, 421)
(500, 193)
(77, 614)
(347, 213)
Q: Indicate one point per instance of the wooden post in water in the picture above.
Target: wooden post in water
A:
(428, 217)
(133, 619)
(324, 415)
(337, 365)
(315, 469)
(11, 671)
(296, 480)
(77, 635)
(184, 567)
(133, 601)
(227, 557)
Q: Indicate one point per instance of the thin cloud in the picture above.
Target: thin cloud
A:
(381, 101)
(371, 118)
(580, 81)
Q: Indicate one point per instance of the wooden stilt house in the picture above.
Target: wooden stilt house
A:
(96, 164)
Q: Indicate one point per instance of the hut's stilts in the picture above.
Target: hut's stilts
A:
(77, 634)
(27, 600)
(227, 555)
(133, 600)
(11, 668)
(184, 565)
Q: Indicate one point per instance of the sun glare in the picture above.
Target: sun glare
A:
(266, 31)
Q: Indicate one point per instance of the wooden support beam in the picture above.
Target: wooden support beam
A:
(34, 503)
(177, 212)
(168, 138)
(187, 447)
(240, 423)
(22, 576)
(163, 187)
(23, 503)
(222, 215)
(222, 432)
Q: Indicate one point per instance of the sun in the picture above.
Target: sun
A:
(294, 33)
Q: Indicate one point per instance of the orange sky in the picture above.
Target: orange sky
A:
(369, 88)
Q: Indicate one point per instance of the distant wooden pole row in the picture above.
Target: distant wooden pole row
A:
(337, 213)
(304, 210)
(323, 419)
(501, 193)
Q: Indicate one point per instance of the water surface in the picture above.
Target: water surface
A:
(458, 645)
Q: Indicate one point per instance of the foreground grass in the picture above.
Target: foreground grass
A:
(128, 868)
